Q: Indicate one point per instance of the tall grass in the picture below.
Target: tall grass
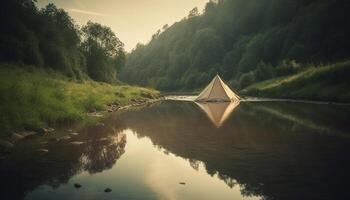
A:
(31, 99)
(329, 83)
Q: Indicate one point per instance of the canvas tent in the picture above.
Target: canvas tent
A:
(218, 113)
(217, 91)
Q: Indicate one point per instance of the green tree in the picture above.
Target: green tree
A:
(103, 50)
(193, 13)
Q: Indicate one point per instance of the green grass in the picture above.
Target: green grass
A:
(326, 83)
(35, 98)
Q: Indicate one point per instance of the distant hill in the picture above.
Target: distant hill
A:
(246, 41)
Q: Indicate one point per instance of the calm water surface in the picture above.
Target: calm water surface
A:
(183, 150)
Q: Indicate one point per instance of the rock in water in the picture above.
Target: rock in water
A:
(76, 143)
(16, 136)
(103, 139)
(43, 151)
(77, 185)
(108, 190)
(28, 134)
(54, 140)
(43, 131)
(65, 138)
(50, 130)
(5, 147)
(5, 144)
(74, 134)
(100, 124)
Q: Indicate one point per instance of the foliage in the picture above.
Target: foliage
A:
(235, 37)
(246, 79)
(193, 13)
(104, 52)
(31, 98)
(49, 38)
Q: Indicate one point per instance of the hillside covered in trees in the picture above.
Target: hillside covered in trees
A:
(51, 70)
(245, 41)
(49, 38)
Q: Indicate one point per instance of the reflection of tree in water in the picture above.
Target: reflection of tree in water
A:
(195, 164)
(103, 155)
(26, 170)
(267, 155)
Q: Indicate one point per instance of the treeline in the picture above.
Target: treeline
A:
(245, 41)
(49, 38)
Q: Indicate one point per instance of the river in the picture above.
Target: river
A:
(184, 150)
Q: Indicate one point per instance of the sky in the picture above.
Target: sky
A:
(133, 21)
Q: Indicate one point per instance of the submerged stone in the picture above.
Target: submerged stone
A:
(43, 151)
(108, 190)
(5, 144)
(77, 185)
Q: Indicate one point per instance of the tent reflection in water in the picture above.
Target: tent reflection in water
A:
(218, 101)
(218, 112)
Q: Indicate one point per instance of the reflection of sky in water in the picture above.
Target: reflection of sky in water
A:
(144, 172)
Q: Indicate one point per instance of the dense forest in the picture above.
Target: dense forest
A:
(245, 41)
(49, 38)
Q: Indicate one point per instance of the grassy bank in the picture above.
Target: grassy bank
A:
(325, 83)
(36, 98)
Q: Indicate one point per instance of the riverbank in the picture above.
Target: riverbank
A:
(322, 83)
(32, 99)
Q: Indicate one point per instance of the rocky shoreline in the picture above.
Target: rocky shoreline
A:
(6, 144)
(133, 103)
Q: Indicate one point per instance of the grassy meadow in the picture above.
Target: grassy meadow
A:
(32, 98)
(326, 83)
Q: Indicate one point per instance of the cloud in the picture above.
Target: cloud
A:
(85, 12)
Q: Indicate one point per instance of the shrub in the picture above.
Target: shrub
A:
(287, 67)
(246, 79)
(264, 71)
